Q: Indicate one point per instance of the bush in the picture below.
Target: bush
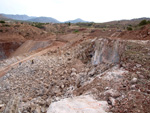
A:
(39, 25)
(2, 21)
(6, 25)
(129, 28)
(88, 24)
(76, 31)
(143, 22)
(69, 24)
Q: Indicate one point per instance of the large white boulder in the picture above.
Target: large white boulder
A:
(81, 104)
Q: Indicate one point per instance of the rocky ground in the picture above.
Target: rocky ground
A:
(112, 71)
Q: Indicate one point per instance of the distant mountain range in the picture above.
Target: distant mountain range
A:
(3, 17)
(44, 20)
(18, 17)
(76, 21)
(53, 20)
(38, 19)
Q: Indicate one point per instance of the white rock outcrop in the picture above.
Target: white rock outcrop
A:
(81, 104)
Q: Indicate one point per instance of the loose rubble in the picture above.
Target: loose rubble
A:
(120, 80)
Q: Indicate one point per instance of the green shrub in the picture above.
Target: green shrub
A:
(69, 24)
(143, 22)
(129, 28)
(6, 25)
(39, 25)
(88, 24)
(76, 31)
(2, 21)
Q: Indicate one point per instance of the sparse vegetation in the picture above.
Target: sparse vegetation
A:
(89, 24)
(69, 24)
(129, 28)
(6, 25)
(67, 53)
(2, 21)
(38, 25)
(144, 22)
(76, 31)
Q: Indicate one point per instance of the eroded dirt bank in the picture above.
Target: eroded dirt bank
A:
(6, 49)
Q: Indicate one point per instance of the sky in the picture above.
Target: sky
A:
(89, 10)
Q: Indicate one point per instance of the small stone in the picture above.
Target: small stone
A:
(138, 65)
(112, 100)
(48, 101)
(62, 86)
(148, 91)
(112, 93)
(134, 80)
(37, 110)
(141, 76)
(2, 107)
(73, 70)
(73, 74)
(107, 88)
(133, 87)
(50, 72)
(43, 109)
(92, 72)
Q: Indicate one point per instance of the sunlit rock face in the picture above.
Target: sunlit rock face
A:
(81, 104)
(107, 51)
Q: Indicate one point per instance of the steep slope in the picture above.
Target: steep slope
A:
(31, 45)
(7, 48)
(20, 32)
(140, 34)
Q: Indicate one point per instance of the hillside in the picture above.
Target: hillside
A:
(39, 19)
(63, 68)
(17, 17)
(4, 18)
(78, 20)
(120, 24)
(44, 20)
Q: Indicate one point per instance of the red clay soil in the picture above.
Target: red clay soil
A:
(101, 33)
(7, 48)
(140, 34)
(20, 32)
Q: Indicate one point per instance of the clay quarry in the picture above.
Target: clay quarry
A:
(69, 68)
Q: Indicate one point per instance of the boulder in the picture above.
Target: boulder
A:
(81, 104)
(107, 51)
(112, 93)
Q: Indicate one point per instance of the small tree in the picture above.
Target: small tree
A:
(69, 24)
(143, 22)
(2, 21)
(129, 28)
